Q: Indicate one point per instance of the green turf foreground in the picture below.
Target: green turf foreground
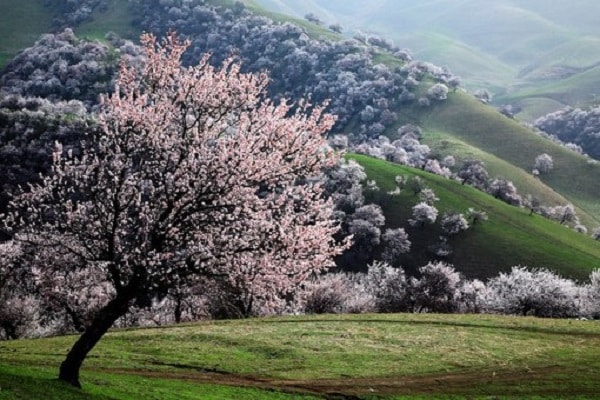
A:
(305, 357)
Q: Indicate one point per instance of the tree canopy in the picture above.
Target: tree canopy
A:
(192, 173)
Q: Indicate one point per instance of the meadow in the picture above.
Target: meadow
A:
(387, 356)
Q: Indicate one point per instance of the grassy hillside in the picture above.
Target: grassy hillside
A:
(580, 89)
(354, 356)
(116, 17)
(515, 43)
(21, 23)
(510, 237)
(465, 120)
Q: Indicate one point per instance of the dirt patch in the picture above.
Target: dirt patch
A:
(353, 388)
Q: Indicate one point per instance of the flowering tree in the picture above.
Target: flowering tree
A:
(474, 173)
(543, 163)
(396, 243)
(453, 223)
(423, 213)
(438, 92)
(537, 292)
(506, 191)
(194, 174)
(476, 216)
(437, 289)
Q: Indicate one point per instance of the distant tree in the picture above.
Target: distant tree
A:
(505, 190)
(434, 166)
(388, 286)
(538, 292)
(563, 214)
(533, 203)
(339, 142)
(543, 163)
(424, 102)
(17, 304)
(476, 216)
(509, 110)
(472, 297)
(337, 28)
(454, 223)
(417, 185)
(344, 184)
(591, 290)
(576, 126)
(437, 289)
(483, 95)
(438, 92)
(396, 243)
(454, 83)
(427, 195)
(422, 214)
(327, 294)
(474, 173)
(312, 17)
(449, 161)
(194, 174)
(365, 226)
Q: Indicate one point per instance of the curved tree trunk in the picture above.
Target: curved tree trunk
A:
(178, 310)
(104, 319)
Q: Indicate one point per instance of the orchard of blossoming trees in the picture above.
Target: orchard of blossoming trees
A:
(193, 173)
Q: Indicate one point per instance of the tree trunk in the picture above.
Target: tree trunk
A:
(178, 311)
(104, 319)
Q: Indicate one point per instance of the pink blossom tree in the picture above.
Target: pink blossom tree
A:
(195, 173)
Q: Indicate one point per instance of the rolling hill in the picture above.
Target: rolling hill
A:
(510, 235)
(390, 356)
(510, 43)
(464, 127)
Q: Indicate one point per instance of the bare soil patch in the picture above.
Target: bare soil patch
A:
(352, 388)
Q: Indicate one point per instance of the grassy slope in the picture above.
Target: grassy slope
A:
(510, 237)
(463, 119)
(21, 25)
(360, 355)
(579, 89)
(312, 29)
(479, 70)
(117, 17)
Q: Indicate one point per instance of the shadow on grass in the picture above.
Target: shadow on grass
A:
(17, 383)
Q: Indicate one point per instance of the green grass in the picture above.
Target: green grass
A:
(465, 120)
(41, 383)
(388, 356)
(313, 30)
(21, 23)
(478, 69)
(578, 90)
(534, 107)
(117, 18)
(510, 237)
